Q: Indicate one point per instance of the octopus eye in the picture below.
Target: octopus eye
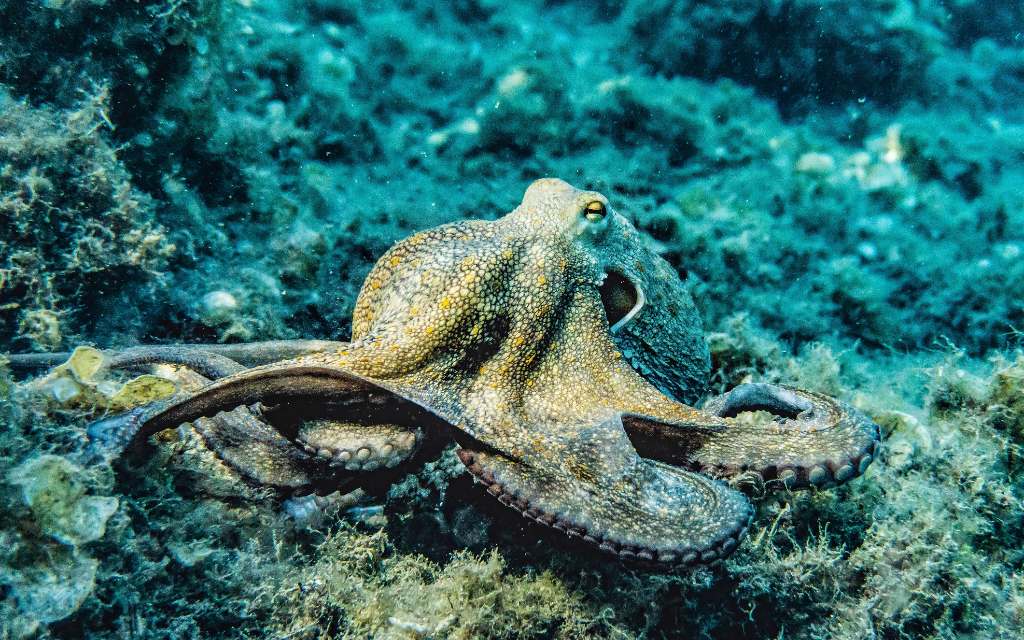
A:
(595, 211)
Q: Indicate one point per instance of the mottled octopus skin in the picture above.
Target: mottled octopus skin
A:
(501, 330)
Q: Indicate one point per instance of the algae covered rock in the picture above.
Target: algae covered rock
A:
(48, 574)
(52, 488)
(794, 50)
(1005, 410)
(70, 217)
(52, 590)
(82, 382)
(358, 586)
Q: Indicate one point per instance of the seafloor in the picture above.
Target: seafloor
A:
(842, 184)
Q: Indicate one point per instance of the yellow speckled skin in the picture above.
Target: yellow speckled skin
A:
(499, 326)
(500, 330)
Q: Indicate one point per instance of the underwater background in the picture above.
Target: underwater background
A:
(840, 183)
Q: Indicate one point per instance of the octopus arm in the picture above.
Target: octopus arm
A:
(812, 440)
(239, 437)
(307, 386)
(598, 490)
(260, 454)
(209, 359)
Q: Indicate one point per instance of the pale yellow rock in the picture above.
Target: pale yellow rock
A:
(84, 364)
(81, 382)
(141, 390)
(52, 488)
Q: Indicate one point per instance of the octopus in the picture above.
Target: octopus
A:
(561, 355)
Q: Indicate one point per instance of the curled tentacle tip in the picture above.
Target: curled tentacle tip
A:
(109, 437)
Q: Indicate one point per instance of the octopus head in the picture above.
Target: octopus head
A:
(650, 312)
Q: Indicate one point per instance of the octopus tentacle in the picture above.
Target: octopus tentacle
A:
(238, 437)
(209, 365)
(655, 513)
(204, 358)
(814, 440)
(294, 384)
(260, 451)
(261, 455)
(111, 436)
(249, 387)
(253, 354)
(818, 440)
(344, 444)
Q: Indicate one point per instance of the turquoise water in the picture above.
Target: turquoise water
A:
(840, 185)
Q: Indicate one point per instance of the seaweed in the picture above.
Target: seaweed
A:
(71, 218)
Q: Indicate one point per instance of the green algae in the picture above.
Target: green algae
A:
(71, 217)
(355, 588)
(918, 547)
(1005, 410)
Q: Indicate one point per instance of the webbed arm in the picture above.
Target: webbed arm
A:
(301, 388)
(814, 440)
(596, 488)
(334, 445)
(254, 449)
